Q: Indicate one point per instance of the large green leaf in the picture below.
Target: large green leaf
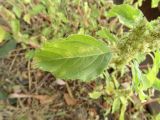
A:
(128, 15)
(76, 57)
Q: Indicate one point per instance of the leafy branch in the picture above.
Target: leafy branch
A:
(83, 57)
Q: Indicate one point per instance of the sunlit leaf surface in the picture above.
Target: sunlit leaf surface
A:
(76, 57)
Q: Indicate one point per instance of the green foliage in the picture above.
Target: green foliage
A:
(116, 105)
(3, 95)
(157, 117)
(139, 2)
(143, 81)
(30, 54)
(105, 33)
(83, 57)
(127, 14)
(33, 22)
(7, 47)
(153, 72)
(123, 109)
(139, 81)
(46, 19)
(95, 94)
(155, 3)
(76, 57)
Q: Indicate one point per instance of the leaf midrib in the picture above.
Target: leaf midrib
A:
(81, 56)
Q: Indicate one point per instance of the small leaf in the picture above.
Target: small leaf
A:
(156, 84)
(155, 3)
(17, 11)
(69, 100)
(136, 76)
(27, 18)
(123, 108)
(15, 25)
(116, 105)
(37, 9)
(7, 47)
(127, 14)
(139, 3)
(110, 88)
(76, 57)
(3, 95)
(2, 34)
(140, 81)
(105, 33)
(142, 95)
(95, 94)
(152, 73)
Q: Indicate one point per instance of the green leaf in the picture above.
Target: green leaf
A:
(156, 84)
(76, 57)
(140, 81)
(105, 33)
(152, 73)
(110, 88)
(30, 54)
(127, 14)
(136, 76)
(2, 34)
(155, 3)
(139, 3)
(15, 25)
(37, 9)
(157, 116)
(27, 18)
(123, 108)
(7, 47)
(3, 95)
(116, 105)
(17, 11)
(95, 94)
(142, 95)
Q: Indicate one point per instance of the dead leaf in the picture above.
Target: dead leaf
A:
(44, 99)
(69, 100)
